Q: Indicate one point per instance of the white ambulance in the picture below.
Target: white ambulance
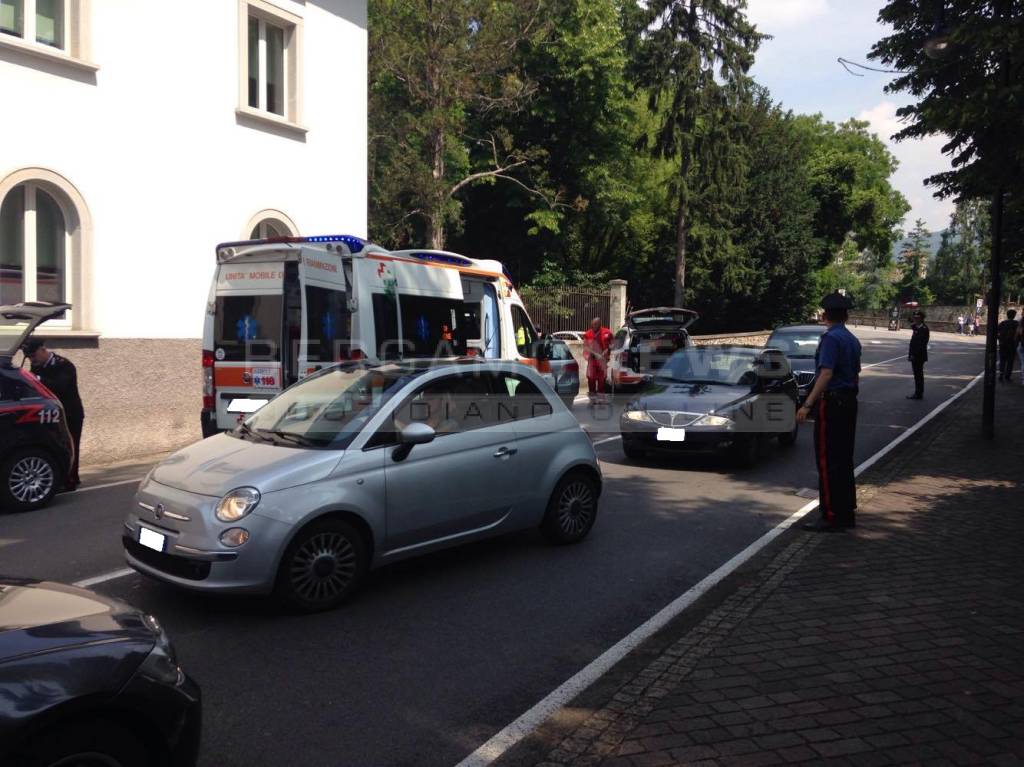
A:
(282, 308)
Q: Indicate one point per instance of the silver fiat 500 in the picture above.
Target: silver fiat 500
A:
(362, 465)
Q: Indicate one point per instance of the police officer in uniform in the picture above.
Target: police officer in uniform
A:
(59, 375)
(833, 400)
(918, 353)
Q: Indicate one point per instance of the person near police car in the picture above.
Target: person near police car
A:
(833, 400)
(918, 352)
(1006, 333)
(597, 343)
(58, 374)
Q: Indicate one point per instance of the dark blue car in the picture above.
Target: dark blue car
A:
(87, 681)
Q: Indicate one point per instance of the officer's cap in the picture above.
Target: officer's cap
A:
(32, 345)
(836, 301)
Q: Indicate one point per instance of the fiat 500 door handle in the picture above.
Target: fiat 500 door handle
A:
(504, 452)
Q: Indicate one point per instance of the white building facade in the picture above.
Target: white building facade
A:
(137, 135)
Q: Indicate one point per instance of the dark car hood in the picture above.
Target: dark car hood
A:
(39, 616)
(801, 364)
(691, 398)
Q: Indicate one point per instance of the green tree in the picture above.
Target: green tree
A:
(436, 68)
(692, 59)
(973, 98)
(582, 124)
(959, 273)
(773, 222)
(850, 173)
(913, 262)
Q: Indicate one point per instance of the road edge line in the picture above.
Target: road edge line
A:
(525, 724)
(97, 579)
(108, 484)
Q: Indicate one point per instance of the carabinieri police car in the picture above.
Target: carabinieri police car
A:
(36, 450)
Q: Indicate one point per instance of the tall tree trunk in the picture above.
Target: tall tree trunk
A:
(682, 222)
(435, 216)
(680, 282)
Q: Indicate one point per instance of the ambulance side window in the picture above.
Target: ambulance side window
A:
(523, 332)
(328, 325)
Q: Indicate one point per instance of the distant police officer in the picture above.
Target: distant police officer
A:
(833, 399)
(58, 375)
(918, 353)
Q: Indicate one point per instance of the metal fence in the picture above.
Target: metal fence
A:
(566, 308)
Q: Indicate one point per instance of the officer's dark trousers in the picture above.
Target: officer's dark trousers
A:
(918, 366)
(1006, 356)
(75, 427)
(834, 431)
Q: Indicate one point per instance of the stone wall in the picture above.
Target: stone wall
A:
(141, 396)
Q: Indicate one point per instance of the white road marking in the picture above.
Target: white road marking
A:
(876, 364)
(501, 742)
(136, 481)
(111, 576)
(607, 440)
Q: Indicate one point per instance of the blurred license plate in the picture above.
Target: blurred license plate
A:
(151, 539)
(245, 405)
(666, 434)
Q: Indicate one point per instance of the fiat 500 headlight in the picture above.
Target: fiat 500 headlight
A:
(638, 415)
(237, 504)
(713, 420)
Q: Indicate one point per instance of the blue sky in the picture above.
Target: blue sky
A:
(799, 67)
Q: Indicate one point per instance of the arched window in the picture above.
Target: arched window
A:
(34, 246)
(268, 227)
(269, 223)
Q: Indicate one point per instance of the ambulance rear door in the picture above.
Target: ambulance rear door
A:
(248, 323)
(326, 318)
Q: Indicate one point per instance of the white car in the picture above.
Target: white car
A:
(643, 345)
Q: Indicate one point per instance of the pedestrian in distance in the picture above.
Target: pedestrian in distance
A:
(918, 353)
(833, 399)
(1020, 349)
(970, 326)
(1006, 334)
(58, 374)
(960, 324)
(597, 344)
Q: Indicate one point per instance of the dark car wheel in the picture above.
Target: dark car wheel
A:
(85, 744)
(322, 567)
(632, 451)
(28, 480)
(572, 509)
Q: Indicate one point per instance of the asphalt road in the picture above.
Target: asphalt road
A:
(438, 654)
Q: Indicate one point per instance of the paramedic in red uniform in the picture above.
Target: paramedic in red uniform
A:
(833, 400)
(596, 345)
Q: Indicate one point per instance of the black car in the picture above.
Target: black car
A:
(798, 343)
(709, 398)
(36, 449)
(87, 681)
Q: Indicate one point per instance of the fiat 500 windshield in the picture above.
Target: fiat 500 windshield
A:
(327, 410)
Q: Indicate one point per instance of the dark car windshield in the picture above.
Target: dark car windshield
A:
(329, 409)
(709, 364)
(802, 344)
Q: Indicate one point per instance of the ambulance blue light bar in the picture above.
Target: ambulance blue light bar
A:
(355, 244)
(442, 258)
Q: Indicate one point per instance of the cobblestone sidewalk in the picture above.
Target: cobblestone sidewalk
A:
(898, 643)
